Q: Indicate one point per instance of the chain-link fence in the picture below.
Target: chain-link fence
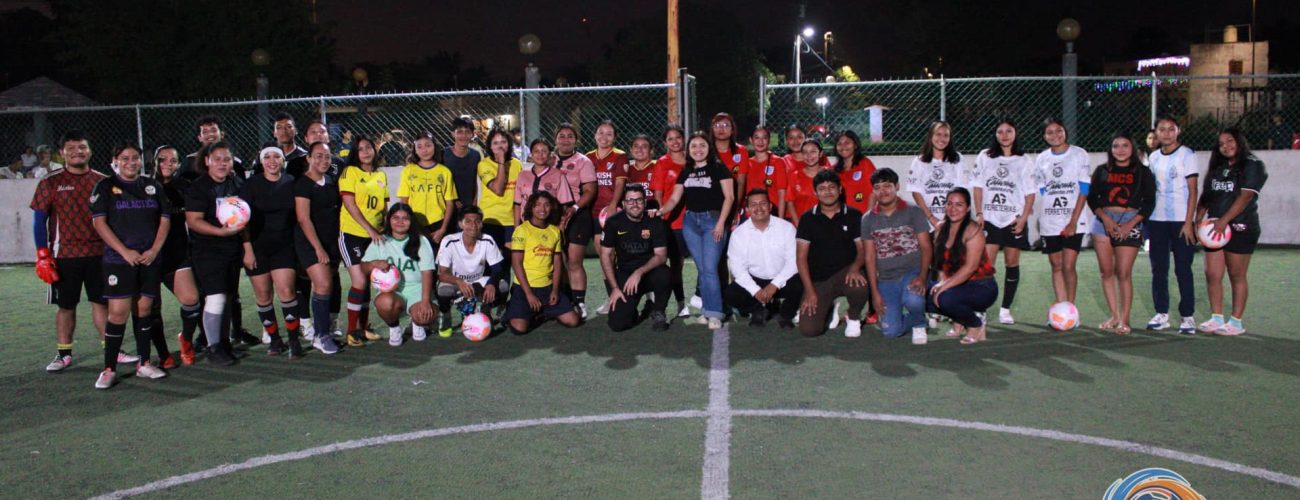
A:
(892, 116)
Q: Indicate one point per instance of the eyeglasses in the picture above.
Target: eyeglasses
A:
(633, 200)
(722, 125)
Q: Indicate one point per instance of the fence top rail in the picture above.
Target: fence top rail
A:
(334, 98)
(936, 81)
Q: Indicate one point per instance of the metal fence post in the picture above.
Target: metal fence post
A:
(139, 129)
(943, 98)
(762, 100)
(523, 125)
(322, 111)
(1154, 104)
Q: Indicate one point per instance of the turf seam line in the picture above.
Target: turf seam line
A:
(715, 480)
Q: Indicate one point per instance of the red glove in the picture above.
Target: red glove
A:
(45, 269)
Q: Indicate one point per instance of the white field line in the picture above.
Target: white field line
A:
(716, 479)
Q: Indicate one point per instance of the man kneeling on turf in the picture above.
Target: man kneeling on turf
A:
(830, 259)
(633, 251)
(412, 254)
(537, 261)
(761, 258)
(470, 267)
(897, 242)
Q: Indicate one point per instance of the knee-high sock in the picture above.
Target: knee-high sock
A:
(236, 314)
(143, 326)
(1009, 286)
(214, 309)
(266, 314)
(190, 316)
(158, 336)
(364, 318)
(320, 313)
(113, 333)
(290, 310)
(356, 301)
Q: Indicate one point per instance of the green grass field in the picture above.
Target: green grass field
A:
(795, 417)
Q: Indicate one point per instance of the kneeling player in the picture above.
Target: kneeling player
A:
(412, 255)
(537, 263)
(633, 251)
(470, 267)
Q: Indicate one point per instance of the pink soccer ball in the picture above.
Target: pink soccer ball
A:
(385, 281)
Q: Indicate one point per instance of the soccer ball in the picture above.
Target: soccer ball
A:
(1063, 316)
(476, 327)
(385, 281)
(233, 212)
(1210, 241)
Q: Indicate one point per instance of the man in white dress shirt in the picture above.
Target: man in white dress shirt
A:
(761, 258)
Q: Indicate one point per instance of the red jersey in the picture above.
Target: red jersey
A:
(643, 177)
(793, 163)
(857, 185)
(65, 197)
(608, 170)
(735, 160)
(771, 175)
(800, 192)
(664, 178)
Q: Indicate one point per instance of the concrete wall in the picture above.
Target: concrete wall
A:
(1279, 204)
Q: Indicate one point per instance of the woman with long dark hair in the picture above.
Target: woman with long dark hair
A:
(177, 270)
(499, 171)
(363, 189)
(966, 286)
(1171, 227)
(316, 204)
(270, 261)
(767, 170)
(1122, 195)
(706, 190)
(855, 171)
(935, 172)
(1230, 199)
(402, 246)
(216, 249)
(662, 179)
(1063, 178)
(1004, 200)
(537, 259)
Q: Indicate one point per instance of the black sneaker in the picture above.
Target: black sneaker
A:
(244, 338)
(784, 322)
(295, 348)
(218, 356)
(200, 342)
(758, 317)
(658, 321)
(276, 348)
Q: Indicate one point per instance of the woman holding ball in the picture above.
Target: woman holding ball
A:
(412, 255)
(217, 250)
(1229, 199)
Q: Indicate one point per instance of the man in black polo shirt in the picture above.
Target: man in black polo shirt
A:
(633, 251)
(830, 259)
(209, 133)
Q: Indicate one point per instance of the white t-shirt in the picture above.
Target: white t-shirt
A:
(1006, 181)
(933, 180)
(1171, 172)
(469, 266)
(1060, 179)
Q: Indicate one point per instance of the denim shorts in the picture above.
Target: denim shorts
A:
(1132, 239)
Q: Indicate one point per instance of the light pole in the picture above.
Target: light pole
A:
(1068, 31)
(261, 59)
(529, 45)
(823, 101)
(362, 78)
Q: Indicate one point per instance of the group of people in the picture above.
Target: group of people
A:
(774, 238)
(33, 163)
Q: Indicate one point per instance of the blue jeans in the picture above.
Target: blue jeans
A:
(962, 301)
(697, 230)
(904, 309)
(1164, 237)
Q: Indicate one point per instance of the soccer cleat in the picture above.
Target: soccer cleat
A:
(604, 307)
(1230, 330)
(295, 348)
(714, 323)
(187, 350)
(245, 338)
(275, 346)
(758, 316)
(325, 344)
(1187, 326)
(444, 326)
(355, 339)
(835, 317)
(59, 364)
(1211, 325)
(127, 358)
(218, 356)
(1005, 317)
(146, 370)
(853, 328)
(1158, 322)
(873, 318)
(395, 335)
(266, 337)
(919, 336)
(106, 379)
(167, 362)
(582, 311)
(784, 322)
(658, 321)
(370, 334)
(418, 333)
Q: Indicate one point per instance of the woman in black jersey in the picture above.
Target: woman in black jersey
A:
(1122, 194)
(216, 249)
(1229, 198)
(269, 258)
(316, 203)
(177, 272)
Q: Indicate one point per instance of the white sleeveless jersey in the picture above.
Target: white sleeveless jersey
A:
(1060, 180)
(934, 179)
(1171, 172)
(1006, 181)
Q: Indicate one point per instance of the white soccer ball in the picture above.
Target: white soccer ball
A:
(1063, 316)
(385, 281)
(1210, 241)
(233, 212)
(476, 327)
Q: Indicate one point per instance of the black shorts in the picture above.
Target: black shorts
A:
(352, 248)
(1053, 244)
(518, 306)
(175, 256)
(1243, 241)
(582, 227)
(1003, 237)
(75, 274)
(124, 281)
(217, 274)
(272, 257)
(307, 254)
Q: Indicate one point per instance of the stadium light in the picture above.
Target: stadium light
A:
(823, 101)
(808, 32)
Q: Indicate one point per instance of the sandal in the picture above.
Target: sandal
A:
(1123, 329)
(955, 331)
(1109, 324)
(970, 338)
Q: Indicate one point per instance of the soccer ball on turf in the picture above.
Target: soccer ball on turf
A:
(385, 281)
(1063, 316)
(1210, 241)
(233, 212)
(476, 327)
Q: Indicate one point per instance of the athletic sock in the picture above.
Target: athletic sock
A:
(113, 333)
(1009, 286)
(158, 335)
(1234, 321)
(364, 320)
(266, 313)
(212, 327)
(444, 305)
(320, 313)
(356, 301)
(290, 311)
(579, 296)
(190, 316)
(236, 311)
(64, 349)
(143, 328)
(1217, 318)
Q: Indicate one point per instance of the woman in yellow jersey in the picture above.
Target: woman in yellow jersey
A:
(537, 261)
(498, 172)
(427, 186)
(363, 187)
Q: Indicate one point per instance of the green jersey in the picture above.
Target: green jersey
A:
(391, 250)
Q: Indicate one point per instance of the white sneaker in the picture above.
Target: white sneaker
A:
(1230, 330)
(59, 364)
(853, 328)
(418, 334)
(1209, 326)
(325, 344)
(604, 307)
(127, 358)
(308, 330)
(835, 316)
(714, 323)
(1187, 326)
(1004, 317)
(395, 335)
(582, 311)
(919, 336)
(266, 337)
(683, 310)
(106, 379)
(149, 371)
(697, 302)
(932, 320)
(1158, 322)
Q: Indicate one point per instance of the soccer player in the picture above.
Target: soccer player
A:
(1004, 199)
(935, 172)
(462, 161)
(129, 212)
(830, 259)
(470, 268)
(1063, 177)
(411, 253)
(1122, 195)
(298, 164)
(579, 219)
(537, 262)
(733, 155)
(427, 186)
(285, 134)
(640, 171)
(499, 173)
(363, 188)
(855, 170)
(216, 249)
(316, 206)
(766, 170)
(662, 179)
(966, 286)
(177, 270)
(540, 175)
(273, 266)
(1171, 226)
(896, 244)
(209, 133)
(761, 259)
(611, 171)
(1230, 199)
(633, 251)
(706, 190)
(802, 196)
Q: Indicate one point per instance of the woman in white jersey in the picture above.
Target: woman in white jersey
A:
(1063, 176)
(935, 172)
(1171, 227)
(1004, 199)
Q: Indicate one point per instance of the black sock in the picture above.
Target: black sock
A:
(143, 327)
(290, 311)
(266, 314)
(444, 304)
(113, 333)
(64, 349)
(190, 316)
(579, 296)
(158, 336)
(1009, 286)
(320, 313)
(236, 312)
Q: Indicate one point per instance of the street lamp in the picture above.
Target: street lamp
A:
(362, 78)
(823, 101)
(808, 32)
(530, 45)
(1068, 31)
